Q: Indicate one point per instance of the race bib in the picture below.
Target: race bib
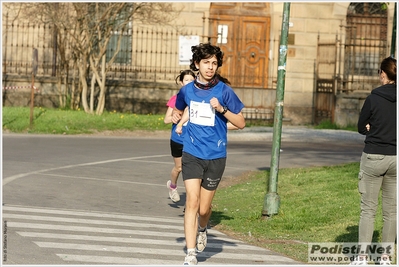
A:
(202, 113)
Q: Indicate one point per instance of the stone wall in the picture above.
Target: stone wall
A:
(130, 97)
(151, 98)
(347, 108)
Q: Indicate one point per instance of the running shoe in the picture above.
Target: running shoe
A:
(173, 194)
(202, 240)
(191, 259)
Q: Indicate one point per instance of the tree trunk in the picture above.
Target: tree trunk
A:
(60, 91)
(72, 104)
(92, 87)
(67, 86)
(79, 98)
(101, 100)
(83, 82)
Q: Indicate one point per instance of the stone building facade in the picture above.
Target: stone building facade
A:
(319, 83)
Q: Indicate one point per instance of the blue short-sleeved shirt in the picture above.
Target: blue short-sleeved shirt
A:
(202, 140)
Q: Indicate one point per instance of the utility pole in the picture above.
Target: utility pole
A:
(272, 199)
(393, 39)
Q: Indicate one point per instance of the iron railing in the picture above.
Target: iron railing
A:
(147, 54)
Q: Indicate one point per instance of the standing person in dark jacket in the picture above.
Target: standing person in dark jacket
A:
(377, 121)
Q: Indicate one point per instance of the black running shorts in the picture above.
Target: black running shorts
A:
(176, 149)
(210, 171)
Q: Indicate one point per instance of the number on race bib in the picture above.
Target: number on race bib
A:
(202, 113)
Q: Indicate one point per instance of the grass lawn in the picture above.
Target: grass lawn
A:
(55, 121)
(317, 204)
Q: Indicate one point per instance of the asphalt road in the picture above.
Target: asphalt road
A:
(103, 200)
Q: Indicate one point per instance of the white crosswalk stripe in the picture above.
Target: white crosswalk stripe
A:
(85, 237)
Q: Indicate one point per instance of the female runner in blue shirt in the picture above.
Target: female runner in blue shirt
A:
(211, 104)
(176, 137)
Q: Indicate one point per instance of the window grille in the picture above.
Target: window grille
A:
(124, 55)
(366, 39)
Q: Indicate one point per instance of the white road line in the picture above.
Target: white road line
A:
(159, 251)
(151, 161)
(14, 177)
(118, 260)
(90, 214)
(86, 229)
(178, 227)
(121, 235)
(97, 179)
(132, 240)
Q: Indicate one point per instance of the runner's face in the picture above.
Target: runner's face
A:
(187, 79)
(207, 69)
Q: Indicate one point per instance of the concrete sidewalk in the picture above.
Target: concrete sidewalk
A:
(255, 133)
(295, 134)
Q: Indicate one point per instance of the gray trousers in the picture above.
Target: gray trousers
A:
(377, 172)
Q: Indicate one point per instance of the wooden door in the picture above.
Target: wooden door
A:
(242, 31)
(252, 56)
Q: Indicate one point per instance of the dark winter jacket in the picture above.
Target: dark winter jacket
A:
(379, 110)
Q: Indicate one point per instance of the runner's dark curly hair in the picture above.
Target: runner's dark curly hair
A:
(205, 51)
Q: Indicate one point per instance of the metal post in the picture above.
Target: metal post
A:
(393, 39)
(272, 199)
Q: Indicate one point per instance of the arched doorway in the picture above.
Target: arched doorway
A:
(242, 30)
